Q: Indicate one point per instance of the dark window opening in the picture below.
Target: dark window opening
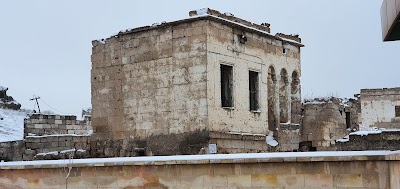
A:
(253, 86)
(397, 111)
(284, 51)
(226, 85)
(348, 120)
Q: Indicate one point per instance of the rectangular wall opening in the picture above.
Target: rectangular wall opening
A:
(397, 111)
(254, 91)
(226, 85)
(348, 120)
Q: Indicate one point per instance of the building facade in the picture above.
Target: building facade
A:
(380, 108)
(210, 79)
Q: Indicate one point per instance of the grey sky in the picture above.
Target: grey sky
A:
(46, 45)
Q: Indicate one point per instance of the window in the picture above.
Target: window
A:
(397, 111)
(253, 87)
(226, 85)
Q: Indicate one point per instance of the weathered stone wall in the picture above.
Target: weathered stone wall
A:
(162, 80)
(258, 53)
(289, 136)
(323, 124)
(39, 124)
(150, 83)
(49, 137)
(231, 143)
(331, 172)
(11, 151)
(39, 146)
(389, 140)
(378, 107)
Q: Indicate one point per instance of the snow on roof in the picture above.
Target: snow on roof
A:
(127, 160)
(202, 13)
(11, 125)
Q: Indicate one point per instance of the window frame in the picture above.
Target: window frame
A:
(254, 91)
(396, 111)
(227, 87)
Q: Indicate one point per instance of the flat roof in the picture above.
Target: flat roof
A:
(206, 17)
(390, 20)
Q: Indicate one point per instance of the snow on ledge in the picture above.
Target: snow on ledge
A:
(59, 135)
(191, 159)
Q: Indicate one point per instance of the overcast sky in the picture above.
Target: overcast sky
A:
(46, 45)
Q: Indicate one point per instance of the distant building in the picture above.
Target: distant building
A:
(213, 78)
(380, 108)
(390, 15)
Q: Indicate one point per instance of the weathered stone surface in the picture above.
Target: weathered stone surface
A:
(164, 82)
(333, 173)
(378, 108)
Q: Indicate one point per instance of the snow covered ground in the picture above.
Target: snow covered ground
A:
(11, 125)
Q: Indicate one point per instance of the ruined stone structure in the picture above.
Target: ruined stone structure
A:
(379, 140)
(8, 102)
(380, 108)
(168, 86)
(327, 120)
(50, 137)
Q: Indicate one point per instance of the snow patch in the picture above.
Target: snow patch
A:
(270, 140)
(244, 134)
(56, 135)
(345, 139)
(89, 132)
(11, 125)
(202, 11)
(66, 151)
(47, 153)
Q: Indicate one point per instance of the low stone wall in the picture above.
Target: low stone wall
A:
(379, 141)
(39, 124)
(12, 151)
(288, 137)
(230, 143)
(274, 170)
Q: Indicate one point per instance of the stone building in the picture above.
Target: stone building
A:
(325, 120)
(213, 78)
(380, 108)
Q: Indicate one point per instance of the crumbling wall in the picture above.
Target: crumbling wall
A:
(324, 122)
(6, 101)
(378, 107)
(39, 124)
(373, 141)
(12, 151)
